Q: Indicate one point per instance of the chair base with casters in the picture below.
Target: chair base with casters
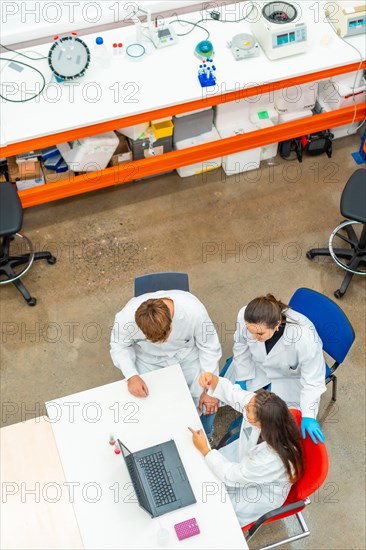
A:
(353, 207)
(10, 224)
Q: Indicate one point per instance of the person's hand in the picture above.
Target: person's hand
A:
(137, 386)
(211, 404)
(200, 441)
(312, 427)
(207, 379)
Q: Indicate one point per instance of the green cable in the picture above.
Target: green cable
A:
(34, 69)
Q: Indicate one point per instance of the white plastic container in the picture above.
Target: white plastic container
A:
(267, 151)
(339, 131)
(199, 167)
(100, 53)
(136, 131)
(243, 161)
(230, 116)
(336, 95)
(289, 117)
(90, 153)
(296, 98)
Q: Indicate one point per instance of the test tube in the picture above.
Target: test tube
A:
(117, 449)
(115, 46)
(120, 45)
(112, 440)
(73, 37)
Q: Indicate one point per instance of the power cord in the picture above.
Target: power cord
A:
(43, 81)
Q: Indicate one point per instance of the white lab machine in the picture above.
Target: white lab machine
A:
(159, 32)
(347, 17)
(244, 46)
(279, 30)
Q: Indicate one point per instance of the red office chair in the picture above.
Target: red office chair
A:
(315, 472)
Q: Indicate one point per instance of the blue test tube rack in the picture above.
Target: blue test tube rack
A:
(206, 73)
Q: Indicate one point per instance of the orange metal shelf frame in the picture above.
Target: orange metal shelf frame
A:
(138, 169)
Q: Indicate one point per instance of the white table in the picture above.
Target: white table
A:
(35, 509)
(104, 501)
(165, 77)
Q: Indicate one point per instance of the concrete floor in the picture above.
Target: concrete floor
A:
(237, 237)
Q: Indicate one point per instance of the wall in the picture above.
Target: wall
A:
(24, 21)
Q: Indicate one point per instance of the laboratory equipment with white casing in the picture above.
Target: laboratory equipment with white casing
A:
(348, 17)
(279, 29)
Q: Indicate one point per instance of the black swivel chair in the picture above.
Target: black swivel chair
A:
(353, 207)
(11, 218)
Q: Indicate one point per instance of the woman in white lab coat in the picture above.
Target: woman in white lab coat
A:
(259, 468)
(276, 345)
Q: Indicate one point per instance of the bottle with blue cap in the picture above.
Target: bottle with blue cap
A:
(100, 54)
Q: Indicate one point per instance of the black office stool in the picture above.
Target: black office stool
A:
(353, 207)
(11, 219)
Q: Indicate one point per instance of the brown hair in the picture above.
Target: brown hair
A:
(154, 319)
(266, 310)
(279, 430)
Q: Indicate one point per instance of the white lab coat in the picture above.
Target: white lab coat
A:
(254, 475)
(193, 341)
(295, 366)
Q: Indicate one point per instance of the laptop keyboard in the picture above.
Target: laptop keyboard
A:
(157, 477)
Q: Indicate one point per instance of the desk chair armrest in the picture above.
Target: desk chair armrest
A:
(274, 513)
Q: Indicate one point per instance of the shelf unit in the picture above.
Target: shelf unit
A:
(138, 169)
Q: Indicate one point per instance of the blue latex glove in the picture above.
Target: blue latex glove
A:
(242, 384)
(312, 427)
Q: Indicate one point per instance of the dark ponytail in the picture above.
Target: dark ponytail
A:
(266, 310)
(279, 430)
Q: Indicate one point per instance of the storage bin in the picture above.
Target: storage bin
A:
(199, 167)
(145, 148)
(90, 153)
(162, 129)
(296, 98)
(267, 151)
(195, 124)
(134, 132)
(289, 117)
(336, 95)
(338, 131)
(243, 161)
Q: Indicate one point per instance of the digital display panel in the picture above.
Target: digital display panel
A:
(163, 33)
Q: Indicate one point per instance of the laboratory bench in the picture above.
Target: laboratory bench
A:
(162, 84)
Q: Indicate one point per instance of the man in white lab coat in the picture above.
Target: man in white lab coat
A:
(164, 328)
(276, 345)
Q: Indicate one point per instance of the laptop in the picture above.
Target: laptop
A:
(159, 478)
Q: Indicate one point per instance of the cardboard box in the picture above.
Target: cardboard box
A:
(50, 176)
(123, 152)
(24, 171)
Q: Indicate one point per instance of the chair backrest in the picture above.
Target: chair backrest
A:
(332, 325)
(316, 466)
(161, 281)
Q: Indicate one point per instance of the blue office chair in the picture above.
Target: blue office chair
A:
(334, 330)
(161, 281)
(332, 325)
